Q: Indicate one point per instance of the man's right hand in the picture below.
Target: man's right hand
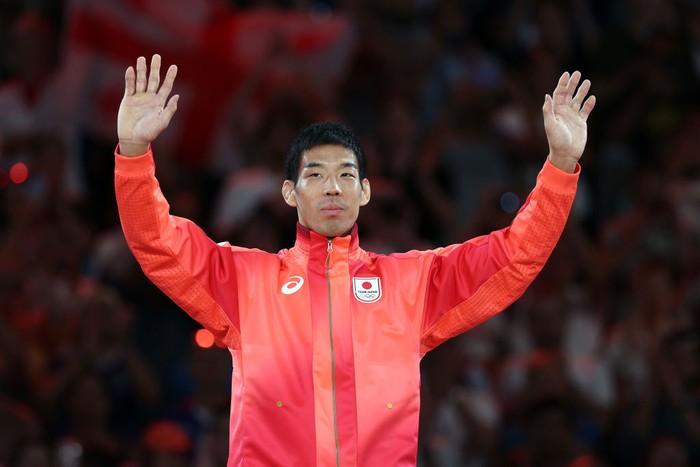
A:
(143, 113)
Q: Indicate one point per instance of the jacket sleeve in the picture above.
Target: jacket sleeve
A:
(175, 254)
(470, 282)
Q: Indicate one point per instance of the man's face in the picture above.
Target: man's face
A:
(329, 192)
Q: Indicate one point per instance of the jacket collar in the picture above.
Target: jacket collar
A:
(315, 246)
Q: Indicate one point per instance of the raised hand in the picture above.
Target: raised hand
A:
(143, 113)
(565, 117)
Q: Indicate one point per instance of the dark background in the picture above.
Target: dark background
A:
(597, 364)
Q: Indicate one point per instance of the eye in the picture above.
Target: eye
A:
(313, 175)
(347, 174)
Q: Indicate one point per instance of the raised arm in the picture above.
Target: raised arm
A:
(475, 280)
(145, 110)
(175, 254)
(565, 117)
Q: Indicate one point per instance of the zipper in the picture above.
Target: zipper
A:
(330, 328)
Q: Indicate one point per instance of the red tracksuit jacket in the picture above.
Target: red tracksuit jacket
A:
(326, 338)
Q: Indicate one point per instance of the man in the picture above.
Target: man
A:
(326, 338)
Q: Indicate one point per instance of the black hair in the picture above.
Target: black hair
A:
(318, 134)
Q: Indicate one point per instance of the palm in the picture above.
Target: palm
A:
(140, 117)
(568, 133)
(145, 110)
(565, 116)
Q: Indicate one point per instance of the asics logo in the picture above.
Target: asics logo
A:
(293, 285)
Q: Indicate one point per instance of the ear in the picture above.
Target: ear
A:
(288, 193)
(366, 192)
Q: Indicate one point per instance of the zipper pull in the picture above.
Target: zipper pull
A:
(329, 250)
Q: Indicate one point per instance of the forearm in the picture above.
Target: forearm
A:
(536, 229)
(143, 211)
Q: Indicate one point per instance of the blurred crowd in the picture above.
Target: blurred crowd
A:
(598, 364)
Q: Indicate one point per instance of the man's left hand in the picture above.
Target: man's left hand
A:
(565, 114)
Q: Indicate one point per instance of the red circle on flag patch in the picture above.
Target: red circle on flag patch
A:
(366, 285)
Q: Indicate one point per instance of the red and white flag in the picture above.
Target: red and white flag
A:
(214, 46)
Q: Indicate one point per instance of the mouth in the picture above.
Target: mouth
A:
(332, 210)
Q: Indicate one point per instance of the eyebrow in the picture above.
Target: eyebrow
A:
(312, 165)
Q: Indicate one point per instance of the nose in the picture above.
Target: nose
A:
(331, 187)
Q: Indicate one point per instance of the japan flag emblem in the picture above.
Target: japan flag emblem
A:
(367, 289)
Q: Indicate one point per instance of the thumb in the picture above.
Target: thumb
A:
(548, 112)
(169, 110)
(548, 107)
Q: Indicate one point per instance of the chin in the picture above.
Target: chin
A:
(333, 230)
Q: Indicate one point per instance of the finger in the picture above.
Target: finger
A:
(167, 86)
(572, 84)
(129, 81)
(548, 110)
(559, 94)
(587, 107)
(169, 110)
(581, 94)
(547, 107)
(154, 76)
(140, 74)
